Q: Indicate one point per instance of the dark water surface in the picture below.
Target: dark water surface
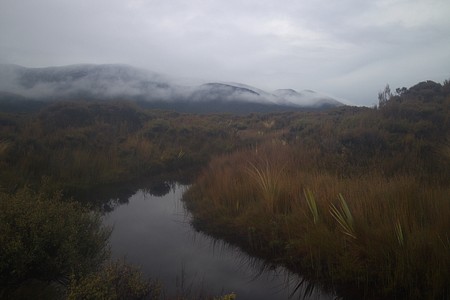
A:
(154, 232)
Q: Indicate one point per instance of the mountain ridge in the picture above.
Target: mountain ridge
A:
(117, 81)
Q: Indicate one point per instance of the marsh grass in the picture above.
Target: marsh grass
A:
(383, 236)
(268, 181)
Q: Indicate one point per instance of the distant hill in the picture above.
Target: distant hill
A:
(307, 98)
(122, 82)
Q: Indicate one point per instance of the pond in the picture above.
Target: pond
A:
(154, 232)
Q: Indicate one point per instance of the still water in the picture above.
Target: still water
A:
(154, 232)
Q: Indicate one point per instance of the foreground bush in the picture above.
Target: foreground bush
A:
(115, 280)
(46, 238)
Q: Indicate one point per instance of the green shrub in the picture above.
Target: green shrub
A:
(116, 280)
(47, 238)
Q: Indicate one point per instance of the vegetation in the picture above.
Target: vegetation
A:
(357, 198)
(354, 197)
(46, 238)
(114, 281)
(80, 145)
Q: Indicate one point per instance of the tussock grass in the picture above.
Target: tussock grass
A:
(384, 235)
(268, 181)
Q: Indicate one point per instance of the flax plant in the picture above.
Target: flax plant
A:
(344, 217)
(312, 205)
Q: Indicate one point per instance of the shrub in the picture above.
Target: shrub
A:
(47, 238)
(116, 280)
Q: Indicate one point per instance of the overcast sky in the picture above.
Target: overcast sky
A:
(349, 48)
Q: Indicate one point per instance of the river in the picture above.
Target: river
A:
(154, 232)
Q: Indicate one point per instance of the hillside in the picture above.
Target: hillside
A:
(121, 82)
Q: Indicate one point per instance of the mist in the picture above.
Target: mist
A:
(349, 50)
(124, 82)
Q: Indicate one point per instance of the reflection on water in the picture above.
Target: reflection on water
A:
(154, 232)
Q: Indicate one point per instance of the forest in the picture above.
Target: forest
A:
(356, 199)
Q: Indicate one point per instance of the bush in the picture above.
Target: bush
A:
(47, 238)
(115, 280)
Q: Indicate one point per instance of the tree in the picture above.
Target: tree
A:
(384, 96)
(401, 91)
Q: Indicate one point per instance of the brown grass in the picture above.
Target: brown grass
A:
(386, 235)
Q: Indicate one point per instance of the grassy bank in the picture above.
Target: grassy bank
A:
(385, 236)
(357, 199)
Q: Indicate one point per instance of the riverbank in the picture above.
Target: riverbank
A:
(154, 232)
(356, 198)
(383, 237)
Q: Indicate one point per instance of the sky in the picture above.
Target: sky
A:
(349, 49)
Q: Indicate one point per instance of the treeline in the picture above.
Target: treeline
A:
(356, 198)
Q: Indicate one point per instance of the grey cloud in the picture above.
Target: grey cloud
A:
(322, 45)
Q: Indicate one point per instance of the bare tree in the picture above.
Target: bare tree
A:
(384, 96)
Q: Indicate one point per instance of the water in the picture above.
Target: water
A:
(154, 232)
